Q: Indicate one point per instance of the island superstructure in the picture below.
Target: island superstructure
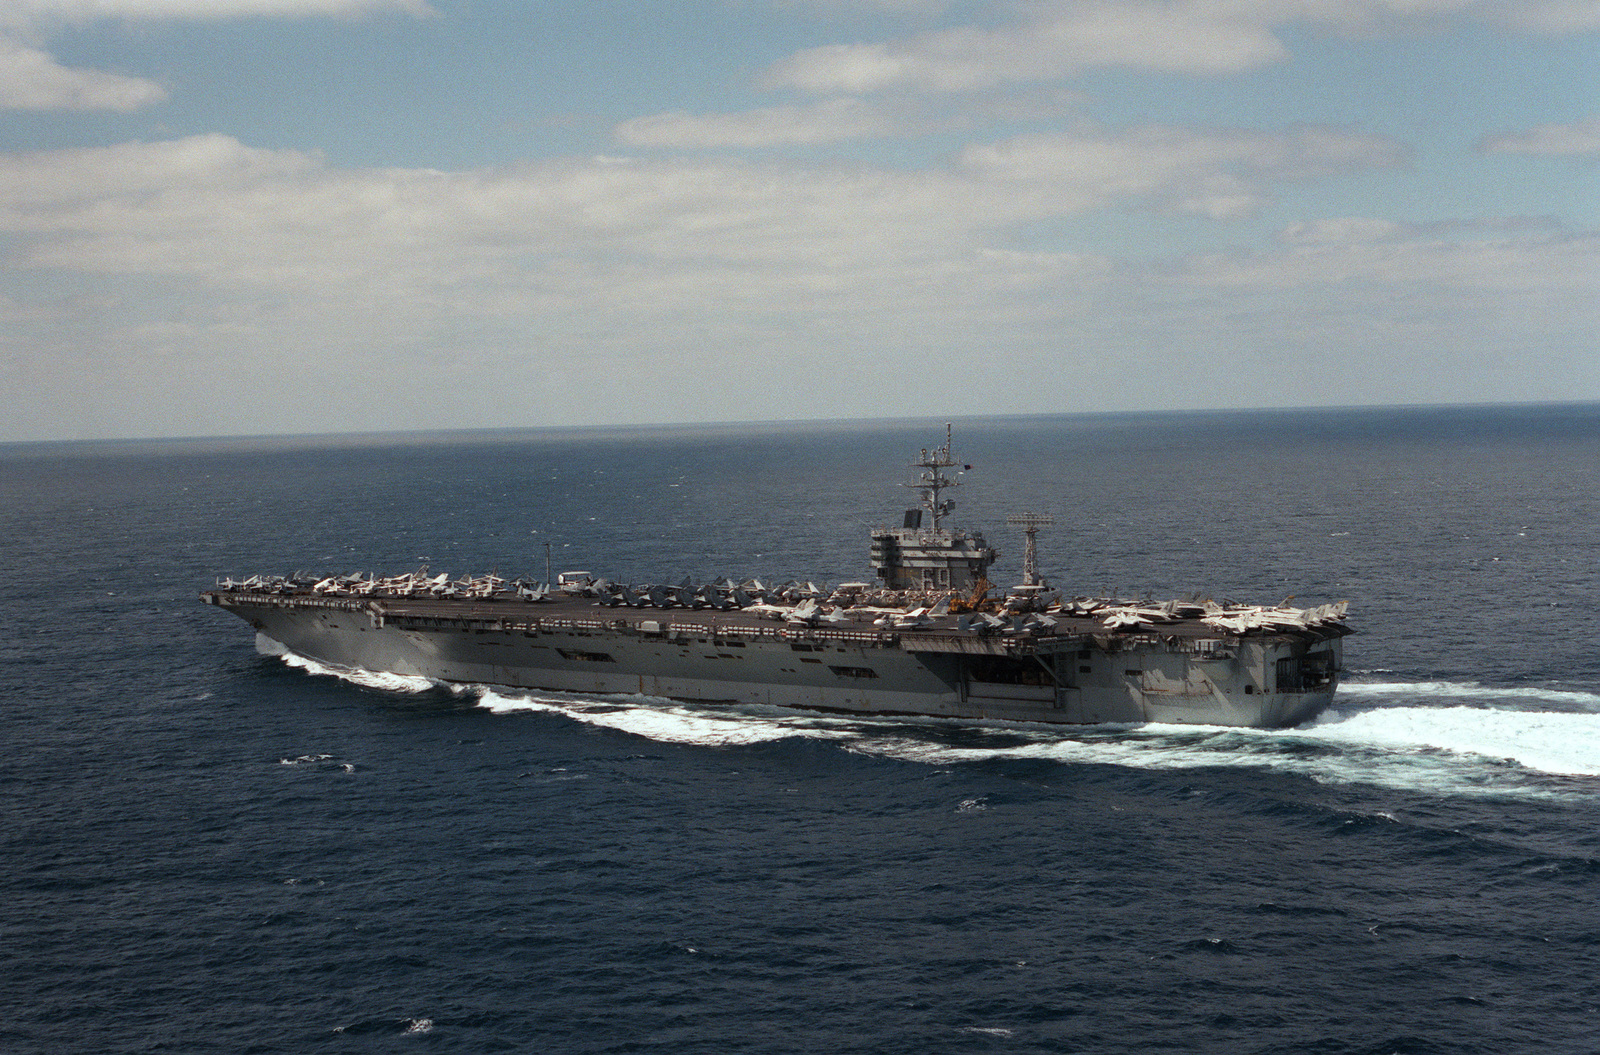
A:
(925, 639)
(934, 558)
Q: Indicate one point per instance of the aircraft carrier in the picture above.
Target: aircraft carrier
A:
(924, 638)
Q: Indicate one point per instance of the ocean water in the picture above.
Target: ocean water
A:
(209, 847)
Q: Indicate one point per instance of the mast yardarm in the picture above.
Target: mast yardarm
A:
(933, 481)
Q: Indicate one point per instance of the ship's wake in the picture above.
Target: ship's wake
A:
(669, 721)
(1394, 739)
(1447, 737)
(1408, 737)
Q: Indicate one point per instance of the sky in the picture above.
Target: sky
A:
(245, 217)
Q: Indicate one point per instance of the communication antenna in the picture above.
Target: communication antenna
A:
(1030, 523)
(933, 480)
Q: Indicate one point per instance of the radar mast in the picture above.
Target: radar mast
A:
(933, 480)
(1030, 524)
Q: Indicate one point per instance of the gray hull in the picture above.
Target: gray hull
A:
(1075, 674)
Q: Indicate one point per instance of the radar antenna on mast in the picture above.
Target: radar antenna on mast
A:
(1030, 524)
(933, 480)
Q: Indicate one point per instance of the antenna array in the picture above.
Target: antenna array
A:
(1030, 524)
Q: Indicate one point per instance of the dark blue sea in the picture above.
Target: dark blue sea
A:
(211, 849)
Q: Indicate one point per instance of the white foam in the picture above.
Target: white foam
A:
(659, 719)
(1452, 750)
(269, 646)
(1554, 742)
(370, 679)
(317, 760)
(1470, 690)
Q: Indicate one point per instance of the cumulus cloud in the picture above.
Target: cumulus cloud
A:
(31, 79)
(843, 118)
(1549, 16)
(566, 236)
(211, 208)
(904, 7)
(1577, 139)
(215, 265)
(664, 235)
(1382, 313)
(1053, 39)
(1368, 16)
(1340, 229)
(1221, 173)
(44, 12)
(827, 121)
(1392, 260)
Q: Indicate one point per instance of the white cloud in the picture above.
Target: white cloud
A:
(842, 118)
(1054, 39)
(1577, 139)
(905, 7)
(1550, 16)
(180, 268)
(1391, 261)
(212, 209)
(145, 280)
(31, 79)
(827, 121)
(45, 12)
(1221, 174)
(1340, 229)
(38, 191)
